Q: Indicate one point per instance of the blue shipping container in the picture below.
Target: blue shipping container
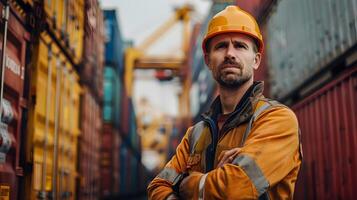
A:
(114, 45)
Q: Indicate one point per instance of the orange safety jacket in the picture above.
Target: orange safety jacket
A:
(265, 168)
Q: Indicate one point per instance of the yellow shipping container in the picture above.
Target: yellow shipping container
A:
(53, 126)
(66, 20)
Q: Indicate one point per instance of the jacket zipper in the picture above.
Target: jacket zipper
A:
(211, 149)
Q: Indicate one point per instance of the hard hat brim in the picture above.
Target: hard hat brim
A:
(210, 36)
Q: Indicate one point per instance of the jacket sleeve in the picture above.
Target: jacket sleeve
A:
(161, 186)
(270, 153)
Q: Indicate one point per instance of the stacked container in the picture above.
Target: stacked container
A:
(53, 121)
(91, 77)
(121, 163)
(306, 38)
(311, 48)
(89, 147)
(329, 138)
(111, 140)
(13, 100)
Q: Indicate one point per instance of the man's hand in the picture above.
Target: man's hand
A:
(227, 156)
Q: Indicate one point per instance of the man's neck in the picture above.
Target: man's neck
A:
(231, 97)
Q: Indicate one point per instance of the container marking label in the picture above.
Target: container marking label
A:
(4, 192)
(14, 67)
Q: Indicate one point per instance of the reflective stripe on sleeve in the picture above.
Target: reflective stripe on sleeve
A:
(195, 135)
(253, 171)
(264, 107)
(201, 187)
(169, 174)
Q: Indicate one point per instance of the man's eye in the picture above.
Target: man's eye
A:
(240, 46)
(220, 46)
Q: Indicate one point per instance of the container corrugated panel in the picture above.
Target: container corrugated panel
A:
(329, 137)
(88, 157)
(114, 46)
(112, 98)
(13, 103)
(110, 161)
(329, 27)
(66, 22)
(91, 71)
(53, 125)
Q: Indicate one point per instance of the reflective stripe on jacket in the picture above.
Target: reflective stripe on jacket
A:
(265, 168)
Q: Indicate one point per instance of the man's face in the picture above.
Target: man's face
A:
(231, 58)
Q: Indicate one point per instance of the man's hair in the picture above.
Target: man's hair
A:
(208, 44)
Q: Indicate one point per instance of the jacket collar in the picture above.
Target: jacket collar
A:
(244, 109)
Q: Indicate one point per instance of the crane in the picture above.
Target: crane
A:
(137, 58)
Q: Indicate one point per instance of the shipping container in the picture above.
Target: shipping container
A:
(113, 73)
(91, 75)
(329, 137)
(259, 9)
(65, 21)
(304, 38)
(89, 147)
(134, 138)
(125, 113)
(124, 169)
(134, 177)
(14, 100)
(112, 98)
(114, 46)
(53, 125)
(91, 70)
(110, 161)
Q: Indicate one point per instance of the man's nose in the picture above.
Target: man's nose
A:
(230, 52)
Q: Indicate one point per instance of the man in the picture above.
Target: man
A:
(247, 146)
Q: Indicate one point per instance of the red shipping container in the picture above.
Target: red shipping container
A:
(13, 102)
(109, 161)
(89, 150)
(91, 71)
(257, 8)
(329, 137)
(262, 74)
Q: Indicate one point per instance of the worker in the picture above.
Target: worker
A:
(247, 146)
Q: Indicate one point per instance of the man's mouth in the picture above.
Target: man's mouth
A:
(225, 66)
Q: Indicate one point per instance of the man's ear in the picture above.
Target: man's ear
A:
(257, 60)
(206, 57)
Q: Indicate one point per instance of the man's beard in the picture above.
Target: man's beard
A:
(239, 79)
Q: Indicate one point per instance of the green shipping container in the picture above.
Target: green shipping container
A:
(112, 97)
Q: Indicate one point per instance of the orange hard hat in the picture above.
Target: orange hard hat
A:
(233, 20)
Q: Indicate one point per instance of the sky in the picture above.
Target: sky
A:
(138, 19)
